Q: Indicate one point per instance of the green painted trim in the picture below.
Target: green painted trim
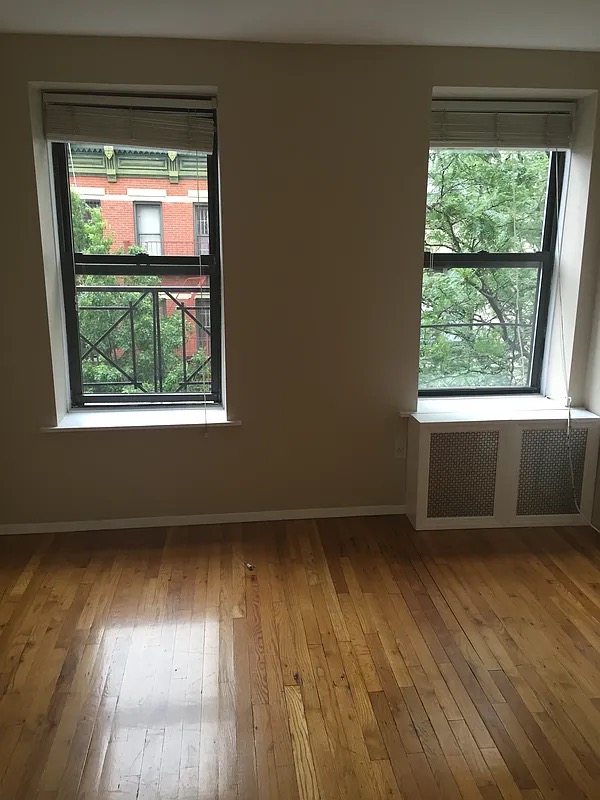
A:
(128, 162)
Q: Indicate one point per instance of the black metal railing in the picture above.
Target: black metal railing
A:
(144, 342)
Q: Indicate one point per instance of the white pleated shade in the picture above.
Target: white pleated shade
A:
(501, 129)
(169, 129)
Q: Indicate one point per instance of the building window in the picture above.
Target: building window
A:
(148, 227)
(490, 234)
(142, 326)
(90, 205)
(201, 229)
(201, 312)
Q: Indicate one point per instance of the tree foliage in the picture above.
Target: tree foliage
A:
(89, 229)
(120, 349)
(478, 321)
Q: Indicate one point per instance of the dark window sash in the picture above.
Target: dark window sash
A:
(486, 260)
(144, 264)
(543, 260)
(74, 264)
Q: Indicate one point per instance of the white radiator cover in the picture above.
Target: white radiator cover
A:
(500, 473)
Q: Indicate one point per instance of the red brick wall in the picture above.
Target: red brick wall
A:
(177, 229)
(177, 218)
(119, 218)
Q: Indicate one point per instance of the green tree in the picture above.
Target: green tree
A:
(89, 229)
(481, 318)
(119, 349)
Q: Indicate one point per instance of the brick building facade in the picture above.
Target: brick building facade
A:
(157, 201)
(127, 182)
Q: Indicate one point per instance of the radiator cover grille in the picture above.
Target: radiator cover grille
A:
(545, 475)
(462, 474)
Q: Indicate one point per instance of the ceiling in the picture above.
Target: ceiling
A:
(553, 24)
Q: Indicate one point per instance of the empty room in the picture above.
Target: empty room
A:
(300, 423)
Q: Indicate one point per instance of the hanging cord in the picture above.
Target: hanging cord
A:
(569, 402)
(570, 455)
(200, 266)
(71, 165)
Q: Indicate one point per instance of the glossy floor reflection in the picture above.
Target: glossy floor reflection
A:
(357, 659)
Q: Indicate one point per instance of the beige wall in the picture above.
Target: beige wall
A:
(322, 339)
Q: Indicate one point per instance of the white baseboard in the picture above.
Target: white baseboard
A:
(198, 519)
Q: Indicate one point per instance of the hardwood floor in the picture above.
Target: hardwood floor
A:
(341, 658)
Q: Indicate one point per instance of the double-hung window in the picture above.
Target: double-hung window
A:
(493, 198)
(142, 301)
(148, 225)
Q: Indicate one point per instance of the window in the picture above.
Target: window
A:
(148, 227)
(89, 210)
(490, 234)
(202, 315)
(201, 229)
(142, 308)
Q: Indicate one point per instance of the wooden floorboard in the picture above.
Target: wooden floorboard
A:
(302, 660)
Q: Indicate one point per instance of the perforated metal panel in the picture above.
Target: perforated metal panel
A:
(545, 485)
(462, 474)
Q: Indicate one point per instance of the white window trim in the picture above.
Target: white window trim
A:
(567, 359)
(87, 419)
(59, 417)
(571, 312)
(495, 407)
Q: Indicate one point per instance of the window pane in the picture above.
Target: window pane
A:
(144, 334)
(148, 225)
(201, 229)
(143, 199)
(477, 327)
(486, 200)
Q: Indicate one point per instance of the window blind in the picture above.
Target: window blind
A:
(498, 125)
(72, 119)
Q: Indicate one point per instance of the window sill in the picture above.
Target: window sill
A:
(494, 408)
(141, 418)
